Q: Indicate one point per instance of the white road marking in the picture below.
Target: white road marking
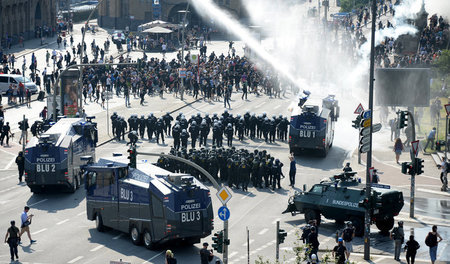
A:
(434, 192)
(155, 256)
(75, 259)
(82, 213)
(7, 152)
(250, 241)
(11, 162)
(41, 201)
(276, 107)
(10, 188)
(62, 222)
(262, 232)
(245, 196)
(39, 231)
(9, 177)
(118, 236)
(97, 248)
(261, 104)
(229, 256)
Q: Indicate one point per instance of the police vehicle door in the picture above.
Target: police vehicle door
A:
(107, 187)
(157, 216)
(315, 194)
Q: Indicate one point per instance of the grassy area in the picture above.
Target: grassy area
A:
(426, 125)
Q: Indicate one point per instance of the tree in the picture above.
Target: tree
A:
(443, 63)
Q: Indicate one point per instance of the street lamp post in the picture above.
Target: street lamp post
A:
(182, 47)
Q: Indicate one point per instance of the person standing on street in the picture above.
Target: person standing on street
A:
(12, 238)
(6, 132)
(20, 161)
(411, 248)
(206, 255)
(443, 175)
(347, 235)
(398, 235)
(340, 252)
(432, 242)
(26, 222)
(292, 170)
(398, 148)
(430, 139)
(170, 259)
(313, 241)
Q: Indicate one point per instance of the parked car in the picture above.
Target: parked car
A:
(15, 79)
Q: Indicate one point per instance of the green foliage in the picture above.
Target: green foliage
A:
(348, 5)
(443, 63)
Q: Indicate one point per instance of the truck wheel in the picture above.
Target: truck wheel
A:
(384, 225)
(136, 237)
(358, 223)
(73, 186)
(311, 214)
(147, 237)
(78, 181)
(99, 223)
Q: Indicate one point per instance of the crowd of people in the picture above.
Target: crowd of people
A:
(235, 167)
(198, 128)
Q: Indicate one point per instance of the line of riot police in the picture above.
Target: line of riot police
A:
(198, 128)
(237, 167)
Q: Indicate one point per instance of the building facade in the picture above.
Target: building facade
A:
(23, 17)
(120, 14)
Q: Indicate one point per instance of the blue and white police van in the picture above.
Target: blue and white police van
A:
(149, 203)
(54, 158)
(313, 129)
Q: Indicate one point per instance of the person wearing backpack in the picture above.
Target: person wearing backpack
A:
(411, 248)
(398, 235)
(347, 235)
(432, 242)
(340, 252)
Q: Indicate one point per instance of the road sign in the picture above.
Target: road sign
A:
(367, 114)
(415, 147)
(447, 109)
(182, 72)
(366, 122)
(224, 213)
(383, 186)
(376, 127)
(364, 148)
(224, 195)
(365, 131)
(364, 140)
(359, 109)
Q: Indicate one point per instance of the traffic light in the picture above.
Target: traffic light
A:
(364, 203)
(218, 242)
(418, 166)
(357, 122)
(281, 236)
(132, 156)
(407, 168)
(403, 119)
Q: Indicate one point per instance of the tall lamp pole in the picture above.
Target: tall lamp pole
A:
(369, 153)
(182, 48)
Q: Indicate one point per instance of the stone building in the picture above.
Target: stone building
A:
(22, 17)
(119, 14)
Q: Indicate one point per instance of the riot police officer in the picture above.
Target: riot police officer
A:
(176, 131)
(276, 172)
(184, 138)
(194, 130)
(113, 122)
(142, 126)
(229, 134)
(204, 131)
(160, 130)
(167, 122)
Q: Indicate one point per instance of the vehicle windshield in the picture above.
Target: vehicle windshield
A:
(21, 79)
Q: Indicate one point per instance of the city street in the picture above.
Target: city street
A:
(65, 235)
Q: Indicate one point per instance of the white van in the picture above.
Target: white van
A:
(15, 79)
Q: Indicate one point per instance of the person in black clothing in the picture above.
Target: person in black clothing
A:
(20, 161)
(340, 252)
(313, 242)
(411, 248)
(12, 238)
(205, 254)
(6, 131)
(170, 259)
